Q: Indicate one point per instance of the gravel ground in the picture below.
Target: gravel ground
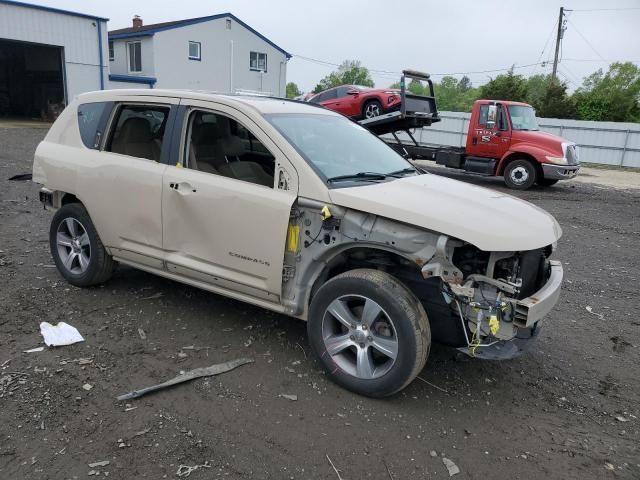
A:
(569, 409)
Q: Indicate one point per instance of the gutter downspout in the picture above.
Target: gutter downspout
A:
(101, 62)
(231, 67)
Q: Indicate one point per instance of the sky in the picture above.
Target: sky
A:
(438, 37)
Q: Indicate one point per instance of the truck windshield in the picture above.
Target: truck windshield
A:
(523, 118)
(339, 149)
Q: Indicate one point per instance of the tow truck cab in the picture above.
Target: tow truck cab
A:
(501, 132)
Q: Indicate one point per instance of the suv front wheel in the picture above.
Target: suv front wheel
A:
(369, 332)
(77, 249)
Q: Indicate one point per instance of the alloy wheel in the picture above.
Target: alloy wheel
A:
(360, 336)
(74, 247)
(372, 110)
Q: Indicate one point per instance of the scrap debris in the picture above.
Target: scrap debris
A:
(60, 334)
(102, 463)
(293, 398)
(334, 467)
(185, 470)
(590, 310)
(187, 376)
(452, 467)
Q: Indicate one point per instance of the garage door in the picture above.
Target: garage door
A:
(31, 80)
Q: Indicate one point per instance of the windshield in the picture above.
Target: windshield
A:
(337, 147)
(523, 118)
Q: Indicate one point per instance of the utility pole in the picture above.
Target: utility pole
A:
(561, 29)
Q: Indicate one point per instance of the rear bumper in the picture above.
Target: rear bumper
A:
(559, 172)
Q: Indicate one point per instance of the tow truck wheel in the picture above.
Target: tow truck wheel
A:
(520, 174)
(547, 182)
(369, 332)
(372, 108)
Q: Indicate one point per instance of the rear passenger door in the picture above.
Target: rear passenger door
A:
(226, 204)
(122, 186)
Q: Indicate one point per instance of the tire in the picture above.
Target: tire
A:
(387, 317)
(546, 182)
(371, 109)
(520, 174)
(72, 234)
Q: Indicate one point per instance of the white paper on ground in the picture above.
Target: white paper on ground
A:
(60, 334)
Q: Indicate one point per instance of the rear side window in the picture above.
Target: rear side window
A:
(138, 131)
(90, 121)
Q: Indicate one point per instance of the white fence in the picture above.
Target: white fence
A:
(608, 143)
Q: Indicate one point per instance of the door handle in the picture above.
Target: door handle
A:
(182, 187)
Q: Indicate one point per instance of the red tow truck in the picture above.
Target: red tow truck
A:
(503, 140)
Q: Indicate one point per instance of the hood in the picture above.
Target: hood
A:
(547, 141)
(488, 219)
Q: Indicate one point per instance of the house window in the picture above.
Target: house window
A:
(112, 55)
(194, 51)
(228, 24)
(258, 61)
(135, 57)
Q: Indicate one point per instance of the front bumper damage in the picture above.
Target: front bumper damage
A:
(496, 324)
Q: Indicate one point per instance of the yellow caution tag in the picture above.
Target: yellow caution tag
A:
(293, 236)
(178, 165)
(326, 214)
(494, 324)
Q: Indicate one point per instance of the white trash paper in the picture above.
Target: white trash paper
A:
(60, 334)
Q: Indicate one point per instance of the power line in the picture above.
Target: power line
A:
(604, 9)
(587, 41)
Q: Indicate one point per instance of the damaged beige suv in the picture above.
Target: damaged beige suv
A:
(298, 210)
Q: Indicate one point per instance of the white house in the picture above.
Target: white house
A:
(48, 56)
(219, 53)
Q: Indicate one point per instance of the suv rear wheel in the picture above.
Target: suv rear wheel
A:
(76, 247)
(369, 332)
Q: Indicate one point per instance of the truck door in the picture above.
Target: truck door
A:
(490, 136)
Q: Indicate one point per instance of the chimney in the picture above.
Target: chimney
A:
(137, 21)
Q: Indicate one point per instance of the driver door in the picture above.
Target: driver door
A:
(225, 207)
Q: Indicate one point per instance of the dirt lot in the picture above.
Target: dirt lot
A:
(568, 409)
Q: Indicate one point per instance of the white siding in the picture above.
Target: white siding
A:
(77, 35)
(225, 59)
(120, 63)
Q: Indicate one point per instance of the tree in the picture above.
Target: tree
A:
(555, 103)
(350, 72)
(455, 95)
(292, 90)
(536, 88)
(506, 87)
(614, 96)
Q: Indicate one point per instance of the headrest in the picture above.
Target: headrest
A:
(231, 146)
(136, 130)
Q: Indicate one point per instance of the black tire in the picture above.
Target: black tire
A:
(546, 182)
(371, 105)
(520, 174)
(409, 323)
(100, 265)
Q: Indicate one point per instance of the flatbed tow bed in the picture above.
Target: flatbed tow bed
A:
(502, 139)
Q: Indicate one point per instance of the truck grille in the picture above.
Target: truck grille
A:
(572, 154)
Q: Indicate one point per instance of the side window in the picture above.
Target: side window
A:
(89, 119)
(318, 98)
(484, 113)
(138, 131)
(342, 91)
(219, 145)
(332, 94)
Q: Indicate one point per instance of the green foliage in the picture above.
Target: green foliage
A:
(506, 87)
(292, 90)
(455, 95)
(350, 72)
(555, 103)
(614, 96)
(536, 88)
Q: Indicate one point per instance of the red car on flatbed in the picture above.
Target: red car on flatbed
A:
(359, 102)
